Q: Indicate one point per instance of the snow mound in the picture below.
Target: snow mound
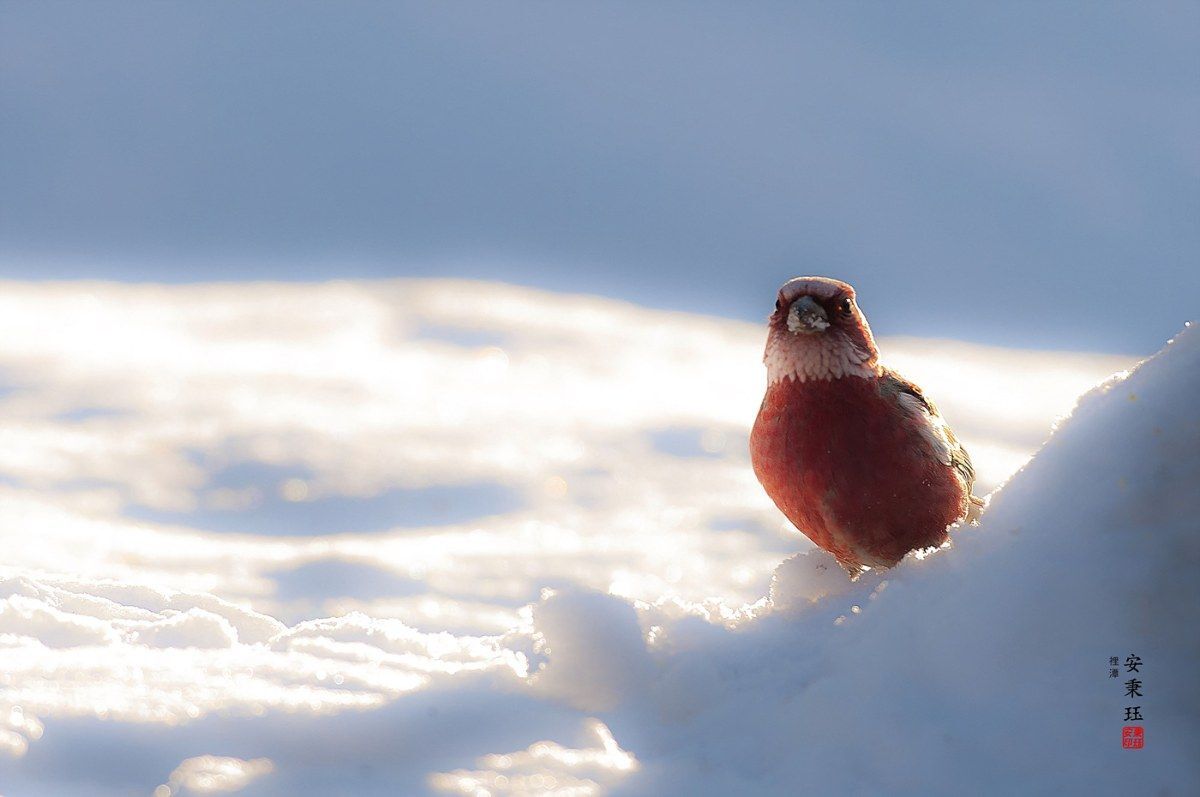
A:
(983, 668)
(597, 655)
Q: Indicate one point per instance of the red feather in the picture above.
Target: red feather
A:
(860, 462)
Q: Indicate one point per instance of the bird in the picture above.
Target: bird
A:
(857, 457)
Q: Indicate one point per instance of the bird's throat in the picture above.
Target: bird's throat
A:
(816, 356)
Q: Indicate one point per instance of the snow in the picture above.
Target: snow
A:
(212, 774)
(544, 768)
(638, 622)
(983, 668)
(595, 655)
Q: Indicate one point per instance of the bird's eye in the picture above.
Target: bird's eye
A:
(778, 303)
(846, 305)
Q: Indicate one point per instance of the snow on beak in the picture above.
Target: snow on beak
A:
(805, 315)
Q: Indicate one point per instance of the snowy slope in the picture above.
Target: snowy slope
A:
(984, 668)
(142, 642)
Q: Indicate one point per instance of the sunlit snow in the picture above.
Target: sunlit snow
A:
(437, 520)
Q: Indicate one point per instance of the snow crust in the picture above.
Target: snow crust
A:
(641, 625)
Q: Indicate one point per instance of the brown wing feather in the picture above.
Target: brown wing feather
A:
(959, 459)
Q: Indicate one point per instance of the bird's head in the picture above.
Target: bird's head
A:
(818, 332)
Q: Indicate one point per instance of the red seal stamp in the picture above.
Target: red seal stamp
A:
(1133, 737)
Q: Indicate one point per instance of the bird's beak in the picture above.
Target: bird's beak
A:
(806, 316)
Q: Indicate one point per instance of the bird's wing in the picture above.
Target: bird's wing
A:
(935, 431)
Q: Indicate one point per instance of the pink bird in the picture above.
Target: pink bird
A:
(851, 452)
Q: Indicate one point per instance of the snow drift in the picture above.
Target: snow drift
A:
(982, 669)
(146, 655)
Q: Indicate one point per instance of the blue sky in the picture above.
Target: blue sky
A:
(1021, 174)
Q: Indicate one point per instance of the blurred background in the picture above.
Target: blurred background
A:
(1013, 173)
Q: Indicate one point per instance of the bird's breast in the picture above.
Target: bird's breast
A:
(847, 466)
(838, 426)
